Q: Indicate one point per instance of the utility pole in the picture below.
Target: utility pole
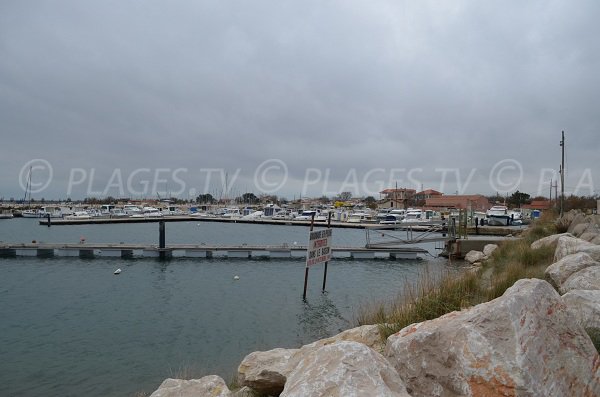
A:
(551, 186)
(562, 174)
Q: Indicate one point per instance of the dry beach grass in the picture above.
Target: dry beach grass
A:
(435, 295)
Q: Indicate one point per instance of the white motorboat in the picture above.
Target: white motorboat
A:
(359, 217)
(172, 210)
(308, 215)
(270, 210)
(391, 219)
(6, 215)
(78, 215)
(232, 213)
(53, 212)
(152, 212)
(118, 213)
(283, 215)
(106, 209)
(29, 213)
(413, 215)
(132, 210)
(498, 215)
(254, 215)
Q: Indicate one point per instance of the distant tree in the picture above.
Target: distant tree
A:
(205, 199)
(324, 199)
(248, 198)
(518, 198)
(539, 198)
(370, 202)
(580, 202)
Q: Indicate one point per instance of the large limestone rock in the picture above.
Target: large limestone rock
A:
(567, 245)
(576, 220)
(368, 335)
(524, 343)
(586, 279)
(580, 229)
(560, 271)
(585, 306)
(344, 369)
(590, 236)
(581, 225)
(474, 256)
(565, 221)
(208, 386)
(489, 249)
(266, 372)
(548, 241)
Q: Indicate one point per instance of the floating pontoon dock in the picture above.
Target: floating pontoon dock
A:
(88, 250)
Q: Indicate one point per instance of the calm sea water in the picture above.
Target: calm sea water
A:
(69, 327)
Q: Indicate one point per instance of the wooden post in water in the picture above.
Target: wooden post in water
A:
(312, 224)
(325, 269)
(161, 239)
(49, 222)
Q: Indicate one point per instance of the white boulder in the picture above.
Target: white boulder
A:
(560, 271)
(368, 335)
(524, 343)
(585, 306)
(568, 245)
(212, 385)
(344, 369)
(548, 241)
(489, 249)
(474, 256)
(265, 371)
(586, 279)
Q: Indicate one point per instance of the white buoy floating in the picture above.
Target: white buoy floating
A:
(118, 271)
(236, 277)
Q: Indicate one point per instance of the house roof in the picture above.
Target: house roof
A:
(388, 191)
(538, 205)
(430, 192)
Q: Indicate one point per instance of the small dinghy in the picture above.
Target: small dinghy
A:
(118, 271)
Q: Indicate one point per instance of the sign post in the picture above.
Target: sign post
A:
(325, 269)
(318, 250)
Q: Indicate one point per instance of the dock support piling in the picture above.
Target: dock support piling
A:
(161, 239)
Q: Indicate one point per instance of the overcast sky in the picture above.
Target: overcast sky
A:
(340, 95)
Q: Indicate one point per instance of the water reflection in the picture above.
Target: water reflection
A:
(320, 318)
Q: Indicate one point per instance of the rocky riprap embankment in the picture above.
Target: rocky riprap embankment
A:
(531, 341)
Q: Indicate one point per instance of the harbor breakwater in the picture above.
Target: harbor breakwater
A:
(534, 340)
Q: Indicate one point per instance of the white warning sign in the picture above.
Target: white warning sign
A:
(319, 247)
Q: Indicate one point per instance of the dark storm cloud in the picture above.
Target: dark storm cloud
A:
(336, 86)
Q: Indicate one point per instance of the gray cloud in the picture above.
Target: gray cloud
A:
(342, 85)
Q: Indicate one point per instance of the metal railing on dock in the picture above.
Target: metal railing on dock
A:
(387, 236)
